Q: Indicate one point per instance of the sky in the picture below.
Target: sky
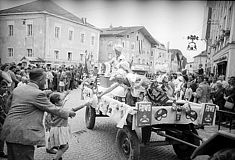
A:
(167, 21)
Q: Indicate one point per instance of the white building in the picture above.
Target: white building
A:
(190, 67)
(139, 46)
(45, 30)
(200, 59)
(162, 58)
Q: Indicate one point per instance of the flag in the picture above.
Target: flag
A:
(85, 66)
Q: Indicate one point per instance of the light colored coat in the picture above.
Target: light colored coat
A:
(203, 93)
(24, 122)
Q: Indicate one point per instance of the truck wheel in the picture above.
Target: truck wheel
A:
(90, 117)
(184, 151)
(128, 144)
(228, 154)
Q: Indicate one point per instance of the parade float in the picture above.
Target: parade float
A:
(173, 120)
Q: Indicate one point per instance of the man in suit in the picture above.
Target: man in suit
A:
(23, 127)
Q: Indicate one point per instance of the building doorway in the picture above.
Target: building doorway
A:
(222, 68)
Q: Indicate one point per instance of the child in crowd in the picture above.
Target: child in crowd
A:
(182, 91)
(188, 92)
(60, 132)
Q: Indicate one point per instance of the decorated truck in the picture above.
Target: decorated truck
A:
(174, 120)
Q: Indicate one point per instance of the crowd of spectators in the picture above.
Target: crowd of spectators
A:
(15, 77)
(59, 79)
(203, 89)
(194, 88)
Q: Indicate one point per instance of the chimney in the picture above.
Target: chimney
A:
(84, 20)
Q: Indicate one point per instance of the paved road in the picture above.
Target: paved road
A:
(99, 143)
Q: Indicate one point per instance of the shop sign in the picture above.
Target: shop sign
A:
(223, 58)
(209, 114)
(140, 67)
(144, 113)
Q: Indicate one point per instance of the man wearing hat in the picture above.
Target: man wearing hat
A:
(23, 128)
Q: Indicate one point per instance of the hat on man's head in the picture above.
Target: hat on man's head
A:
(36, 73)
(118, 47)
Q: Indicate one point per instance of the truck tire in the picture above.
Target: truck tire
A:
(224, 154)
(128, 144)
(90, 117)
(184, 151)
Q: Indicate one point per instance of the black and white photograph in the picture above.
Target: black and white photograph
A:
(117, 80)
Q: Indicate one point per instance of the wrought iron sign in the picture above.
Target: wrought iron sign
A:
(192, 45)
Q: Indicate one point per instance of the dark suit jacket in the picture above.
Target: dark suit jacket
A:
(218, 98)
(24, 122)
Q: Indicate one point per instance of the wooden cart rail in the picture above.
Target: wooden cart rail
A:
(230, 115)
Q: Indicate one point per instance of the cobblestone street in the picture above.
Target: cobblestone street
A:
(99, 143)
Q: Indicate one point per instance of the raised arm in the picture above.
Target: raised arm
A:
(43, 103)
(86, 103)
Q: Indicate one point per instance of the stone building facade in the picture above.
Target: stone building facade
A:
(162, 58)
(44, 29)
(200, 59)
(220, 37)
(139, 46)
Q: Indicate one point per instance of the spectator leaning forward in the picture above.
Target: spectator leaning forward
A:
(23, 127)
